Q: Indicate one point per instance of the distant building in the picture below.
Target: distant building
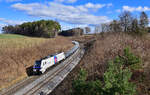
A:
(73, 32)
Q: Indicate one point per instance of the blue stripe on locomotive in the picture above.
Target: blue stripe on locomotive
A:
(55, 59)
(37, 67)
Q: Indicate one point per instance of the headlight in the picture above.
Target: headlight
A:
(34, 70)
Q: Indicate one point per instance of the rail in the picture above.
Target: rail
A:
(46, 83)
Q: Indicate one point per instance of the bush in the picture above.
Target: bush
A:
(116, 82)
(82, 87)
(129, 59)
(115, 79)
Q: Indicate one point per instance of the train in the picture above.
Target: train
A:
(43, 64)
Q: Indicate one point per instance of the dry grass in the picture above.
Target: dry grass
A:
(106, 48)
(83, 38)
(17, 54)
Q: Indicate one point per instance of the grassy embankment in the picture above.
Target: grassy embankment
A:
(17, 53)
(106, 48)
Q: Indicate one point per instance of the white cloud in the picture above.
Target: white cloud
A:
(65, 13)
(10, 22)
(82, 8)
(139, 8)
(96, 6)
(27, 7)
(66, 1)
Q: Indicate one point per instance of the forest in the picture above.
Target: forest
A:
(42, 28)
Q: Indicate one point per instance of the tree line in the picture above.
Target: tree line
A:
(42, 28)
(127, 23)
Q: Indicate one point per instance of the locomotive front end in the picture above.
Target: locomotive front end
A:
(37, 67)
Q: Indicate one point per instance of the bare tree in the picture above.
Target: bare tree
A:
(135, 26)
(87, 29)
(97, 29)
(144, 21)
(115, 26)
(126, 21)
(105, 27)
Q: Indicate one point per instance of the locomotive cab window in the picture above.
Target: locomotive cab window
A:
(37, 63)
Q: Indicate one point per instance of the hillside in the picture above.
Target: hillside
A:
(17, 53)
(104, 49)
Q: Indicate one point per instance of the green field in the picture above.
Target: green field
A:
(19, 41)
(3, 36)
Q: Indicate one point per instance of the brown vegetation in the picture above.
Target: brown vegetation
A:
(105, 48)
(17, 54)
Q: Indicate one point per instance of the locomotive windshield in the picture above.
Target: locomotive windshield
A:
(37, 64)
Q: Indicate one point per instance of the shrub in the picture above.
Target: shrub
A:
(129, 59)
(82, 87)
(116, 82)
(115, 79)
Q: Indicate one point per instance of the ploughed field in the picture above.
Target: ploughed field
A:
(17, 53)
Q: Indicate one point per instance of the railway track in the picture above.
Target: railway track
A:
(36, 84)
(38, 89)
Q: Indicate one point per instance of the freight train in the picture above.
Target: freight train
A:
(43, 64)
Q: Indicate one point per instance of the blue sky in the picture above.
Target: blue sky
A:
(70, 13)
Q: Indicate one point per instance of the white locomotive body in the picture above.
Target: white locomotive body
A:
(42, 65)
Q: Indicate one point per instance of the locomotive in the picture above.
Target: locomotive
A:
(43, 64)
